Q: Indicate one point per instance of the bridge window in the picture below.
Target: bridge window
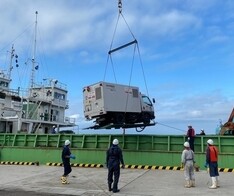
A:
(4, 84)
(59, 96)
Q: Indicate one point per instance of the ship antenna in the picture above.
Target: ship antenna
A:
(34, 52)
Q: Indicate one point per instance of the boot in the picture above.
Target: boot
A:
(109, 186)
(214, 183)
(217, 181)
(192, 183)
(116, 191)
(64, 180)
(115, 188)
(187, 184)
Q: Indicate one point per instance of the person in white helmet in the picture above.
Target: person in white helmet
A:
(53, 131)
(66, 155)
(113, 159)
(187, 160)
(212, 163)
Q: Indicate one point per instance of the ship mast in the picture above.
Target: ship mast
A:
(11, 59)
(34, 53)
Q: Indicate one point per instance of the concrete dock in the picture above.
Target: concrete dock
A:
(45, 180)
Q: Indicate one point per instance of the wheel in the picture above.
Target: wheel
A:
(119, 118)
(102, 122)
(146, 118)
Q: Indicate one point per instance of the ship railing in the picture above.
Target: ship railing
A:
(130, 142)
(140, 151)
(12, 92)
(48, 83)
(60, 102)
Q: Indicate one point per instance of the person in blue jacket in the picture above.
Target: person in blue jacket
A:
(66, 155)
(113, 159)
(53, 131)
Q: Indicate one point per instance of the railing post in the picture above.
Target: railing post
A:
(58, 141)
(219, 143)
(137, 146)
(168, 142)
(35, 142)
(202, 144)
(82, 145)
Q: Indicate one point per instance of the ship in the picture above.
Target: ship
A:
(43, 107)
(36, 109)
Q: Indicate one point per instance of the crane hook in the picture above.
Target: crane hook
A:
(120, 6)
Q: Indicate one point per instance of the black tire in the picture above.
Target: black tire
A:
(119, 118)
(132, 118)
(146, 118)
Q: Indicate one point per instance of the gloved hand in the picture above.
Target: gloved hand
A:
(122, 166)
(72, 156)
(206, 165)
(188, 138)
(182, 165)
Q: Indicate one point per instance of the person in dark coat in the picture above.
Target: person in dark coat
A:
(66, 155)
(191, 136)
(113, 159)
(53, 131)
(202, 132)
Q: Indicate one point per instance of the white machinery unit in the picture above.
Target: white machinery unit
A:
(116, 104)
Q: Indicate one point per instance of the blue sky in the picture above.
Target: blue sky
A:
(186, 48)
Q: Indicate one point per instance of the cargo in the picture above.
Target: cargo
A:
(117, 104)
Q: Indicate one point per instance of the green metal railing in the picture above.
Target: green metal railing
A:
(138, 149)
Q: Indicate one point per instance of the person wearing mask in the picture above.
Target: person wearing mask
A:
(191, 136)
(113, 159)
(66, 155)
(187, 160)
(212, 163)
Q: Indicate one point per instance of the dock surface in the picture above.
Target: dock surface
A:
(45, 180)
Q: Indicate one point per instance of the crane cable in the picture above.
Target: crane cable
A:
(142, 128)
(136, 48)
(109, 57)
(117, 22)
(136, 43)
(120, 13)
(170, 127)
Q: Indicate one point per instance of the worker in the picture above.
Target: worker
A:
(202, 132)
(66, 155)
(187, 160)
(113, 159)
(191, 136)
(53, 131)
(212, 163)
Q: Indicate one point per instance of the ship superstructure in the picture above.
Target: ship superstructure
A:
(44, 107)
(10, 105)
(36, 109)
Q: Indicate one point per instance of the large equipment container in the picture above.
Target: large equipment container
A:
(115, 103)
